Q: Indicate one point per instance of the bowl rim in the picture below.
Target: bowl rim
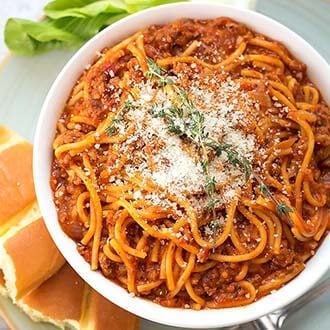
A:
(42, 155)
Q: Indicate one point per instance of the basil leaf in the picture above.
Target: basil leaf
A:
(137, 5)
(25, 37)
(68, 24)
(83, 8)
(85, 28)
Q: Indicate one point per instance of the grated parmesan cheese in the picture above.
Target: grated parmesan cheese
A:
(172, 163)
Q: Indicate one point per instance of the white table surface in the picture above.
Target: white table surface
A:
(22, 9)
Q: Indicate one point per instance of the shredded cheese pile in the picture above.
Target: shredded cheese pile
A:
(172, 163)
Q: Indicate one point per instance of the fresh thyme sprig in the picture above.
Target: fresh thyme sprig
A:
(118, 118)
(235, 159)
(232, 155)
(281, 208)
(210, 186)
(186, 121)
(158, 72)
(210, 189)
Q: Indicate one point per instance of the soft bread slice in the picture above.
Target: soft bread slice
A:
(16, 182)
(3, 291)
(58, 300)
(8, 138)
(28, 257)
(32, 264)
(66, 301)
(100, 314)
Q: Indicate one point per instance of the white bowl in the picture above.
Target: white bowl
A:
(319, 73)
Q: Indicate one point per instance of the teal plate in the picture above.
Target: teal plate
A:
(24, 83)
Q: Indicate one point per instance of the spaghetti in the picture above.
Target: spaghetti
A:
(191, 165)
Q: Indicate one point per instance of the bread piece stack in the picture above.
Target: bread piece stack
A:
(33, 272)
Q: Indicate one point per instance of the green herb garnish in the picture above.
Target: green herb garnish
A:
(211, 204)
(282, 209)
(118, 118)
(69, 23)
(186, 121)
(156, 71)
(233, 157)
(210, 186)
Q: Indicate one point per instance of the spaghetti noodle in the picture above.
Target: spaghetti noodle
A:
(191, 164)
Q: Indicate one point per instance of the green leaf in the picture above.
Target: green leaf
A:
(110, 129)
(69, 23)
(114, 18)
(83, 8)
(211, 204)
(204, 164)
(283, 209)
(197, 124)
(128, 106)
(264, 189)
(25, 37)
(85, 28)
(156, 71)
(136, 5)
(210, 185)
